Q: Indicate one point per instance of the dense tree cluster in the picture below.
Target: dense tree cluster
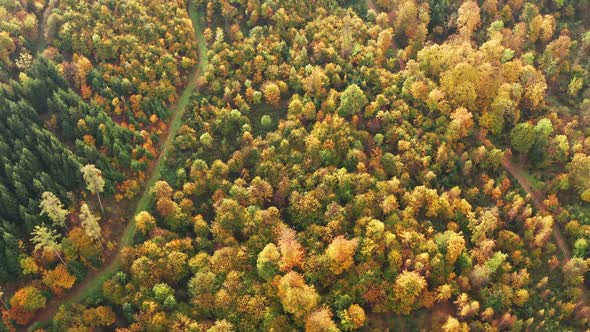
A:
(51, 124)
(48, 131)
(33, 161)
(336, 167)
(129, 56)
(37, 153)
(19, 33)
(344, 165)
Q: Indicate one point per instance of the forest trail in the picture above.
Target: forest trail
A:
(519, 174)
(42, 42)
(95, 279)
(524, 182)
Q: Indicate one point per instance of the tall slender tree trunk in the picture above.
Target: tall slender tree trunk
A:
(100, 203)
(99, 240)
(4, 303)
(60, 258)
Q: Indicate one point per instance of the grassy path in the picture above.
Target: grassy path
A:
(94, 280)
(42, 42)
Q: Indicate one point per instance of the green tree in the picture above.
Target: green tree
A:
(267, 263)
(522, 137)
(581, 247)
(352, 101)
(543, 130)
(579, 172)
(206, 139)
(266, 121)
(162, 291)
(407, 289)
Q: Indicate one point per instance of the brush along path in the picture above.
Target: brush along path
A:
(537, 197)
(95, 279)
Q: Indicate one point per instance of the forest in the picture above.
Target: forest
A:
(324, 165)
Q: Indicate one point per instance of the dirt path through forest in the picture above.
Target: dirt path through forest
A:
(524, 182)
(42, 41)
(537, 197)
(520, 175)
(94, 280)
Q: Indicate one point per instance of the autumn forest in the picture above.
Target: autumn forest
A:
(294, 165)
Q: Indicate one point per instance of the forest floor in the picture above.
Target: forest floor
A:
(371, 5)
(95, 279)
(430, 319)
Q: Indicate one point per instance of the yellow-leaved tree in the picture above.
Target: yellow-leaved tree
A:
(341, 254)
(408, 287)
(296, 296)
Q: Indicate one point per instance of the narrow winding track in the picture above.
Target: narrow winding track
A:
(42, 40)
(95, 279)
(519, 174)
(537, 197)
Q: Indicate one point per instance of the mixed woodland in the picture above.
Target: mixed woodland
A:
(341, 165)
